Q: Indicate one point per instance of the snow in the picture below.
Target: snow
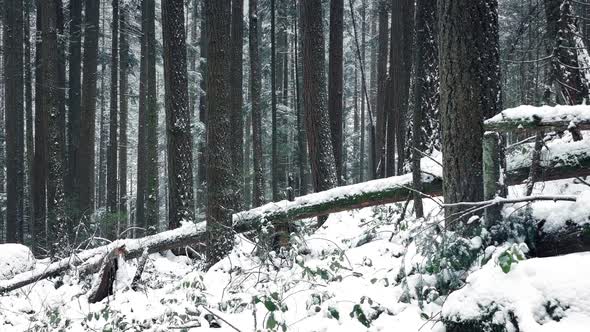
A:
(544, 115)
(529, 291)
(14, 259)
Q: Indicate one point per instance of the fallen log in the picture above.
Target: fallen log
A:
(362, 195)
(89, 261)
(525, 117)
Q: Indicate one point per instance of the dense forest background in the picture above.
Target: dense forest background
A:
(118, 120)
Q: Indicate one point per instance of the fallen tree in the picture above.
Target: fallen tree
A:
(362, 195)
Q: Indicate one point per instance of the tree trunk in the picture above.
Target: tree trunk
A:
(302, 159)
(237, 122)
(202, 148)
(123, 113)
(317, 120)
(255, 94)
(88, 109)
(40, 158)
(220, 180)
(141, 128)
(273, 90)
(383, 43)
(178, 116)
(363, 100)
(464, 99)
(152, 174)
(113, 121)
(55, 150)
(28, 123)
(72, 185)
(336, 80)
(13, 108)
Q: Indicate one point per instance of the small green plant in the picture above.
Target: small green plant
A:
(514, 254)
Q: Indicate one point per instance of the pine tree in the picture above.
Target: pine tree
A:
(178, 124)
(237, 122)
(123, 108)
(88, 110)
(220, 180)
(113, 120)
(317, 121)
(13, 107)
(256, 87)
(464, 98)
(336, 80)
(380, 109)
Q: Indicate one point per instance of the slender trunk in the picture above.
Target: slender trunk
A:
(237, 121)
(88, 110)
(202, 148)
(255, 94)
(273, 90)
(123, 111)
(336, 80)
(141, 128)
(113, 120)
(301, 138)
(383, 42)
(28, 123)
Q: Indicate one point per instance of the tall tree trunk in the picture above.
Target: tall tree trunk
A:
(101, 175)
(40, 158)
(51, 100)
(88, 110)
(202, 148)
(255, 94)
(113, 121)
(72, 185)
(317, 120)
(28, 122)
(273, 90)
(383, 43)
(237, 121)
(220, 180)
(464, 99)
(336, 80)
(151, 194)
(13, 108)
(123, 111)
(178, 119)
(363, 129)
(302, 159)
(141, 129)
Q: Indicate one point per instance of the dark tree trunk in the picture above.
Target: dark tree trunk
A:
(178, 120)
(363, 100)
(152, 175)
(383, 43)
(28, 123)
(101, 176)
(113, 120)
(202, 148)
(237, 122)
(255, 94)
(141, 129)
(51, 100)
(464, 99)
(220, 180)
(40, 158)
(273, 90)
(13, 108)
(88, 110)
(74, 98)
(336, 80)
(425, 111)
(317, 120)
(123, 110)
(302, 159)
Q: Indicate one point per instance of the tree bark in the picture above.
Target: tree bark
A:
(113, 121)
(336, 80)
(316, 113)
(380, 109)
(13, 108)
(141, 128)
(220, 180)
(88, 110)
(123, 112)
(255, 94)
(464, 98)
(178, 122)
(237, 122)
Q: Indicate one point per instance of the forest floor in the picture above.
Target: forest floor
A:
(364, 270)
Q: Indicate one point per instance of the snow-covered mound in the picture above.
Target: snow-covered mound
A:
(539, 294)
(14, 259)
